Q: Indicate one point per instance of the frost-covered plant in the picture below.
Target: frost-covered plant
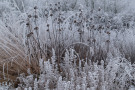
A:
(81, 38)
(118, 73)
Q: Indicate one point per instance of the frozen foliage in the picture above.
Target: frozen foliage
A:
(67, 44)
(117, 74)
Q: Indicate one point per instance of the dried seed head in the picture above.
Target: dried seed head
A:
(47, 25)
(46, 15)
(51, 9)
(99, 9)
(108, 26)
(28, 35)
(27, 24)
(35, 7)
(58, 2)
(47, 30)
(59, 29)
(36, 28)
(91, 18)
(29, 16)
(92, 27)
(108, 41)
(100, 27)
(51, 14)
(74, 21)
(108, 33)
(36, 16)
(94, 40)
(88, 28)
